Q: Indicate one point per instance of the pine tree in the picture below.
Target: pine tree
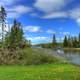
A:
(54, 43)
(65, 42)
(15, 38)
(75, 42)
(79, 40)
(70, 40)
(2, 21)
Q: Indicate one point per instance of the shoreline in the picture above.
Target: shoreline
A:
(71, 49)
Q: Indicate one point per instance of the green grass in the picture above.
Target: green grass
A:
(49, 68)
(40, 72)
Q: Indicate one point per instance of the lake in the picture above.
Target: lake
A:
(71, 56)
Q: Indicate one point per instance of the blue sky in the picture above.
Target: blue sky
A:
(43, 18)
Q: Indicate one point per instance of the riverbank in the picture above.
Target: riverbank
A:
(71, 49)
(59, 69)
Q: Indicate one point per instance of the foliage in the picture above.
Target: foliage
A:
(2, 22)
(10, 56)
(54, 43)
(65, 42)
(2, 14)
(26, 56)
(32, 56)
(15, 37)
(72, 42)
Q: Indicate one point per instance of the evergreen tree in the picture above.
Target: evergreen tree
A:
(54, 43)
(2, 21)
(15, 38)
(75, 42)
(65, 42)
(70, 40)
(2, 14)
(79, 40)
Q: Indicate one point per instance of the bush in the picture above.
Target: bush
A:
(34, 57)
(25, 57)
(10, 57)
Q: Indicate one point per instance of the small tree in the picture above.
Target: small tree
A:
(75, 42)
(70, 41)
(65, 42)
(79, 40)
(54, 43)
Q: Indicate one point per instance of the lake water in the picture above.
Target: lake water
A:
(71, 56)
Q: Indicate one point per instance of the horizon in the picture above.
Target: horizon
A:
(43, 18)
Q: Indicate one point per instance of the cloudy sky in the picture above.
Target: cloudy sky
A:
(43, 18)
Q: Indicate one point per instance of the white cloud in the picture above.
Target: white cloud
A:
(32, 29)
(71, 13)
(16, 11)
(65, 33)
(34, 14)
(54, 9)
(20, 9)
(55, 15)
(1, 4)
(78, 21)
(49, 6)
(38, 38)
(6, 2)
(75, 14)
(50, 31)
(13, 15)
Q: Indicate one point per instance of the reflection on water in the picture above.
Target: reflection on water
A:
(73, 57)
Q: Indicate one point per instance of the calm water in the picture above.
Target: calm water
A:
(71, 56)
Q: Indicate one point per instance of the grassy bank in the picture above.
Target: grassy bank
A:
(71, 49)
(26, 56)
(49, 68)
(40, 72)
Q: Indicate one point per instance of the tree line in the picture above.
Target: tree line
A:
(14, 38)
(73, 42)
(68, 41)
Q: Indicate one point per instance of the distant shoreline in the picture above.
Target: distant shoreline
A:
(71, 49)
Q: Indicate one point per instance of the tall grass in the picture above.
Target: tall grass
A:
(26, 56)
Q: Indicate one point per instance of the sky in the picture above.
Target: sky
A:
(42, 18)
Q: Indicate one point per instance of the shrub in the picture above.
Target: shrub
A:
(26, 56)
(34, 57)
